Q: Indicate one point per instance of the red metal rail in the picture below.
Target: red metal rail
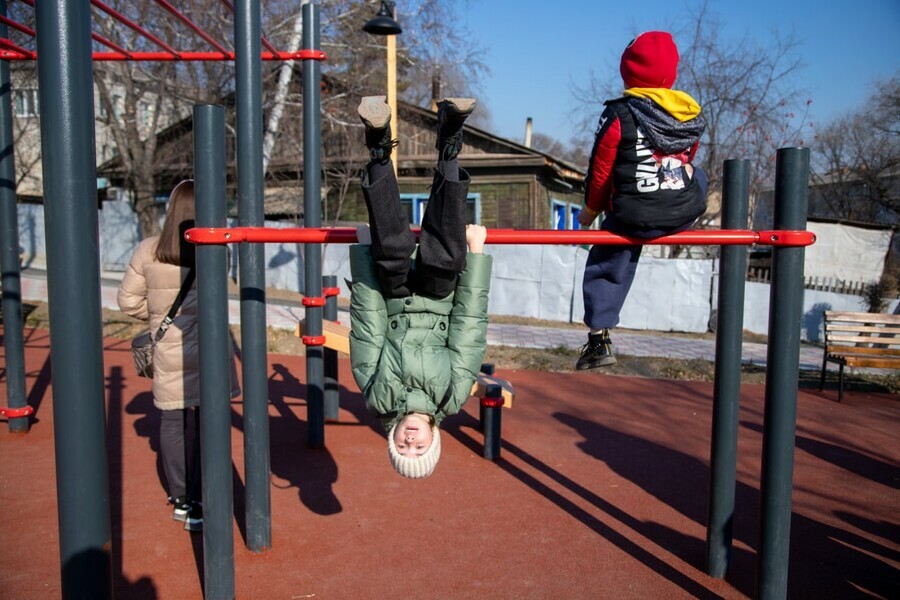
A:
(12, 51)
(347, 235)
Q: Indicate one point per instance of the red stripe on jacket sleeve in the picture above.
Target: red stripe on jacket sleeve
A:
(599, 188)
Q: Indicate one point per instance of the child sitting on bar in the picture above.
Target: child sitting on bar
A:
(418, 316)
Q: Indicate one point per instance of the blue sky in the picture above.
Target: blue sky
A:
(536, 49)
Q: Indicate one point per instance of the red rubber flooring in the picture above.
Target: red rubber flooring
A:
(600, 492)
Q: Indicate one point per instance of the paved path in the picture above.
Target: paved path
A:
(636, 344)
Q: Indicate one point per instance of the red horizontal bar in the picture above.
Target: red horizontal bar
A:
(347, 235)
(16, 53)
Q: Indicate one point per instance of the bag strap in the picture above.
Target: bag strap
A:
(170, 317)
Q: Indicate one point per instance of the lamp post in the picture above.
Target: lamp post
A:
(384, 23)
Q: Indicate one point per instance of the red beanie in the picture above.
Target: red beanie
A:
(650, 60)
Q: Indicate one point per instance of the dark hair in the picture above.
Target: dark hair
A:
(172, 248)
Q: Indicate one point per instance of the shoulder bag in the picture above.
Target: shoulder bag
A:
(143, 345)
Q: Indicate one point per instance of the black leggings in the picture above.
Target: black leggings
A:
(442, 241)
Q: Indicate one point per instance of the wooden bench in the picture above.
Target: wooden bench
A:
(858, 339)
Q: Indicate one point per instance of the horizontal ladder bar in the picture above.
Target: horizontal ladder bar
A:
(347, 235)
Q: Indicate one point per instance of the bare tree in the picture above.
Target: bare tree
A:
(855, 161)
(138, 99)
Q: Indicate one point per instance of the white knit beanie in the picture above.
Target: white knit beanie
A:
(420, 466)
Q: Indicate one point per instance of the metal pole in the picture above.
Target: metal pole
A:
(13, 337)
(251, 182)
(312, 216)
(73, 278)
(783, 360)
(332, 393)
(215, 390)
(491, 414)
(727, 387)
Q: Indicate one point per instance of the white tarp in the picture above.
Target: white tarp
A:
(830, 255)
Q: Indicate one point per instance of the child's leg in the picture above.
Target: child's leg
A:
(610, 271)
(392, 241)
(442, 243)
(608, 276)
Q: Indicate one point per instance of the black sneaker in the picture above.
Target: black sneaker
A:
(181, 506)
(375, 113)
(597, 352)
(194, 520)
(452, 113)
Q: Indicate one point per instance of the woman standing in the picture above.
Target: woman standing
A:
(158, 269)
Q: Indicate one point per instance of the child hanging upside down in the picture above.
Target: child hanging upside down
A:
(418, 316)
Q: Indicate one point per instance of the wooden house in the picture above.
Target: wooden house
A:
(513, 186)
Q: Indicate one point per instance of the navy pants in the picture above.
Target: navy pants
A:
(442, 241)
(610, 270)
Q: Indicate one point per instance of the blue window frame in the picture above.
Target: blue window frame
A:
(564, 215)
(558, 215)
(419, 202)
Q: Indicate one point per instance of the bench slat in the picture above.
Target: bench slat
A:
(862, 350)
(889, 331)
(861, 317)
(849, 340)
(866, 361)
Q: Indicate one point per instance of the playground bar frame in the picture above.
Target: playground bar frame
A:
(65, 88)
(347, 235)
(312, 216)
(727, 379)
(251, 257)
(73, 278)
(214, 343)
(782, 378)
(13, 336)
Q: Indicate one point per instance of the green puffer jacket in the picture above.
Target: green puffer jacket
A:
(417, 353)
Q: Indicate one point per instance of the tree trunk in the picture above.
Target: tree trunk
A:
(146, 207)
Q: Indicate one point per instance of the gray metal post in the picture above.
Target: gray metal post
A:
(491, 418)
(332, 393)
(73, 278)
(13, 337)
(783, 360)
(252, 277)
(215, 390)
(312, 217)
(727, 387)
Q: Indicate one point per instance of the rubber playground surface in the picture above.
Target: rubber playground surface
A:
(600, 492)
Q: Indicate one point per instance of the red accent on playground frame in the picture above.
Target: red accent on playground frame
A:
(16, 413)
(313, 301)
(313, 340)
(489, 402)
(347, 235)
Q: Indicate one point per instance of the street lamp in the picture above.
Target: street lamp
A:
(384, 23)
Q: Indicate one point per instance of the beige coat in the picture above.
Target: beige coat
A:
(147, 292)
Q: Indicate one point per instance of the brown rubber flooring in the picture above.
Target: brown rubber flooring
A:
(600, 492)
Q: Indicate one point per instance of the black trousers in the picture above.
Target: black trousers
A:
(442, 241)
(179, 445)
